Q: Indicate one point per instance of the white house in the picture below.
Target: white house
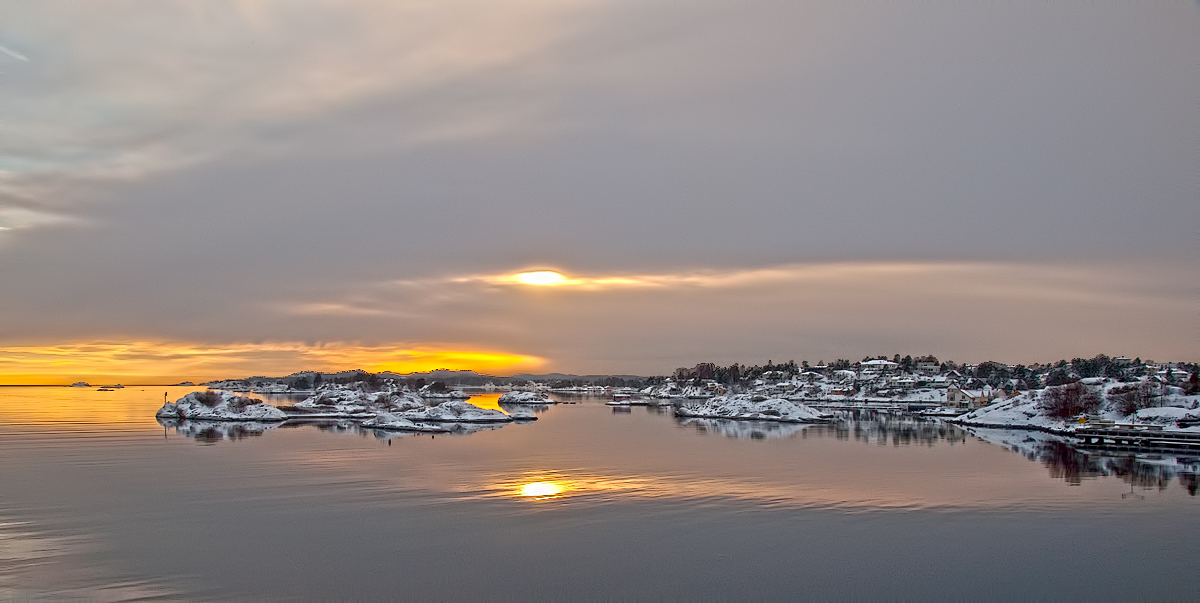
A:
(878, 365)
(957, 397)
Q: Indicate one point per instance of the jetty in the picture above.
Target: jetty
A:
(1135, 438)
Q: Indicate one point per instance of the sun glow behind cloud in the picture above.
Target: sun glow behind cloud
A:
(175, 361)
(839, 271)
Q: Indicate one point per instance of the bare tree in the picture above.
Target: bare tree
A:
(1128, 399)
(1066, 401)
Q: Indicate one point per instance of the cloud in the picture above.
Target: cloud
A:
(16, 218)
(14, 54)
(732, 180)
(652, 322)
(235, 78)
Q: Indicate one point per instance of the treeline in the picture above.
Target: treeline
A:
(995, 374)
(311, 380)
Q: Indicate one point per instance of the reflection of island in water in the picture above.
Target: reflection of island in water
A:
(212, 432)
(868, 426)
(1072, 465)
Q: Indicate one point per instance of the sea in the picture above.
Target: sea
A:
(101, 502)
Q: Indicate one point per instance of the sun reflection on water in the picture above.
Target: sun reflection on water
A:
(543, 490)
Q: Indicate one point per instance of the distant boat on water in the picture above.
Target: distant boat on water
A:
(80, 384)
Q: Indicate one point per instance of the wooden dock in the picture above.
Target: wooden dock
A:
(1133, 438)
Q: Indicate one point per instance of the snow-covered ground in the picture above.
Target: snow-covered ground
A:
(682, 392)
(1166, 415)
(430, 393)
(220, 406)
(1024, 411)
(747, 407)
(1020, 412)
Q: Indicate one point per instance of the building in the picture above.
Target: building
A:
(957, 397)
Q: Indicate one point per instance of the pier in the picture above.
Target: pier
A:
(1136, 438)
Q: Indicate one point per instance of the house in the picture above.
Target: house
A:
(878, 365)
(926, 366)
(957, 397)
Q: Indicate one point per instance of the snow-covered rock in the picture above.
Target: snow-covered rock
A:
(745, 407)
(526, 398)
(220, 406)
(353, 403)
(336, 403)
(456, 411)
(431, 393)
(392, 422)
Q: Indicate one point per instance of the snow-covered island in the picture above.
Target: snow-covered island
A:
(220, 406)
(344, 402)
(519, 397)
(391, 409)
(752, 407)
(456, 411)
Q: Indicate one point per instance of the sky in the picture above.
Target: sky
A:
(195, 190)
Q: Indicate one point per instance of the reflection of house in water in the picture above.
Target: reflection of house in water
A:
(864, 425)
(752, 430)
(1072, 465)
(898, 429)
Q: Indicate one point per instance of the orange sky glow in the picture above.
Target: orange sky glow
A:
(167, 362)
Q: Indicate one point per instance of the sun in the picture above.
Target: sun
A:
(541, 278)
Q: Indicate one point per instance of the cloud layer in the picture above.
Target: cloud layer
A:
(727, 181)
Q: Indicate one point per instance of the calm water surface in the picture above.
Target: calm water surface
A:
(100, 501)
